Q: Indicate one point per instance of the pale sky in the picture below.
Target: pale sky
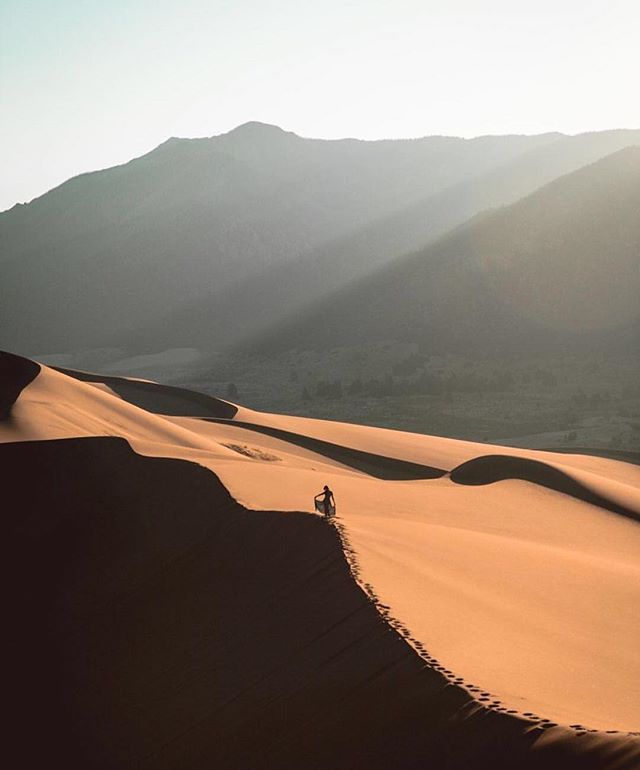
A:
(87, 84)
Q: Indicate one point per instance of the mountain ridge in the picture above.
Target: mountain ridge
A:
(112, 247)
(193, 221)
(469, 270)
(268, 298)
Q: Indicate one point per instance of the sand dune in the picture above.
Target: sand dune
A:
(491, 468)
(372, 464)
(434, 452)
(481, 615)
(159, 399)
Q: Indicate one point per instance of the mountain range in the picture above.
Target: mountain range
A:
(212, 242)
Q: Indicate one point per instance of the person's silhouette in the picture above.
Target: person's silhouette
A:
(328, 501)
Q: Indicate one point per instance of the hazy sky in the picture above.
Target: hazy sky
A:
(87, 84)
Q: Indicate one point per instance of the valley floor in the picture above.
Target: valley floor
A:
(542, 403)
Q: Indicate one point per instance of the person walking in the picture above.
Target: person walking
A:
(325, 502)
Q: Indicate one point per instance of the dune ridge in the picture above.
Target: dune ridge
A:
(347, 450)
(410, 449)
(372, 464)
(159, 399)
(487, 469)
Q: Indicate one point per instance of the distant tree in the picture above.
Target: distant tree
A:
(232, 390)
(293, 375)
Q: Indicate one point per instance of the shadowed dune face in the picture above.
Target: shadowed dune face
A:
(156, 623)
(15, 374)
(377, 465)
(159, 399)
(491, 468)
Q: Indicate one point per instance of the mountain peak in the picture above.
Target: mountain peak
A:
(254, 128)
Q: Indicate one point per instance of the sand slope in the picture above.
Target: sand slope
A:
(15, 374)
(507, 584)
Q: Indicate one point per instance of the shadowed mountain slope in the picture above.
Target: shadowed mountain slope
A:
(558, 266)
(115, 248)
(224, 318)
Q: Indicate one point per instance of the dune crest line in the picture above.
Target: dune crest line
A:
(157, 398)
(379, 466)
(489, 469)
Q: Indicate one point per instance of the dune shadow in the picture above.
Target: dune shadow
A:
(16, 373)
(489, 469)
(379, 466)
(168, 400)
